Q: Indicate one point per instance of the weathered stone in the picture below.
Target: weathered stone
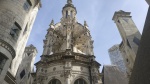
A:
(141, 69)
(68, 53)
(14, 19)
(130, 38)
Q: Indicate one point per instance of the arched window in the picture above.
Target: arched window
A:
(55, 81)
(71, 14)
(80, 81)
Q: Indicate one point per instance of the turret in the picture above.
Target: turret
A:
(27, 65)
(69, 10)
(16, 21)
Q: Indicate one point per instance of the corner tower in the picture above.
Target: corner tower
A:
(130, 38)
(68, 56)
(27, 66)
(16, 20)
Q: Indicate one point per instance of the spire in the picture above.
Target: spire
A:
(69, 1)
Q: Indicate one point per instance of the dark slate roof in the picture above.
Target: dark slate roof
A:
(112, 75)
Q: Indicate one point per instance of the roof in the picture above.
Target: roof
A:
(112, 75)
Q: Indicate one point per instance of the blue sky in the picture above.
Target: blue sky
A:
(98, 14)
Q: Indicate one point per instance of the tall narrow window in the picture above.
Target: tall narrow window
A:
(3, 60)
(71, 14)
(15, 30)
(22, 74)
(66, 14)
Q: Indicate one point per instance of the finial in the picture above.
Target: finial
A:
(69, 1)
(85, 24)
(52, 22)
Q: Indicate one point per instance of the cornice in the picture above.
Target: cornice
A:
(8, 47)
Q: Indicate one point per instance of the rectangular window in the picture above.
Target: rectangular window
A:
(3, 60)
(136, 41)
(15, 30)
(27, 5)
(66, 14)
(22, 74)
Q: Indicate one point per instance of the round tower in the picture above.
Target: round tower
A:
(14, 20)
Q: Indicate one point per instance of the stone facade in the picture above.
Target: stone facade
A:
(130, 38)
(68, 53)
(113, 75)
(141, 69)
(26, 67)
(16, 20)
(116, 58)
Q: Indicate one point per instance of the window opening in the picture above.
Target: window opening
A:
(71, 14)
(22, 74)
(66, 14)
(136, 41)
(15, 30)
(80, 81)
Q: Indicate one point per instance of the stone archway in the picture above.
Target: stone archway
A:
(80, 81)
(54, 81)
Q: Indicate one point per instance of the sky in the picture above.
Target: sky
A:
(98, 14)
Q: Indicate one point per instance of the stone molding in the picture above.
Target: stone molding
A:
(8, 47)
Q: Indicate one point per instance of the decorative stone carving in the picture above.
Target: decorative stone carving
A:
(67, 73)
(70, 43)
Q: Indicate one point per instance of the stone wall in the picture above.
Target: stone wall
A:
(141, 69)
(26, 65)
(14, 18)
(130, 38)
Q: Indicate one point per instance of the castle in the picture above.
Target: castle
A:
(68, 56)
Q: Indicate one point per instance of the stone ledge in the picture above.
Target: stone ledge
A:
(8, 47)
